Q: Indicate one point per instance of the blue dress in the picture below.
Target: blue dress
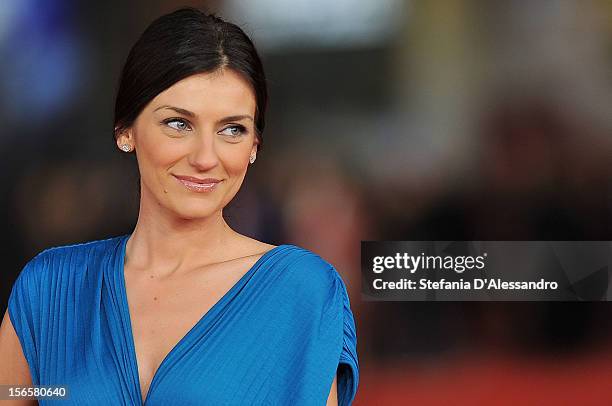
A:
(277, 337)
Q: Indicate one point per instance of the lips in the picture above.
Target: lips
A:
(197, 184)
(197, 180)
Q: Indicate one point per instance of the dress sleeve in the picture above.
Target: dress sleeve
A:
(348, 366)
(24, 312)
(321, 334)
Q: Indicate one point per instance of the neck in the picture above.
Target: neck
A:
(167, 244)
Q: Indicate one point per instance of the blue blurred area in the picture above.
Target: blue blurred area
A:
(43, 62)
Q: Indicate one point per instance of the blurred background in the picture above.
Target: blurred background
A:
(388, 120)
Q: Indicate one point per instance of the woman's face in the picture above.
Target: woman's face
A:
(193, 142)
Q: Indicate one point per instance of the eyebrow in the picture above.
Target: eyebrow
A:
(192, 114)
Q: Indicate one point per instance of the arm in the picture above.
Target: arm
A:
(14, 367)
(332, 400)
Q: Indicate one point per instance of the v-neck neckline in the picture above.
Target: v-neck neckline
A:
(201, 320)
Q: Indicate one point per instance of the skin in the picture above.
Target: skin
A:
(182, 256)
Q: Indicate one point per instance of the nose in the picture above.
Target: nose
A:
(203, 155)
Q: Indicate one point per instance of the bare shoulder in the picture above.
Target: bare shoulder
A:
(251, 247)
(14, 368)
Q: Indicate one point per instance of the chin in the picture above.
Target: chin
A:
(197, 210)
(194, 214)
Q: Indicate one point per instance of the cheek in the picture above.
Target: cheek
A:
(157, 153)
(234, 158)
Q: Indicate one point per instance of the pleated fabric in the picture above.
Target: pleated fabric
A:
(277, 337)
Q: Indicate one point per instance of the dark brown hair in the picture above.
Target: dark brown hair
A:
(180, 44)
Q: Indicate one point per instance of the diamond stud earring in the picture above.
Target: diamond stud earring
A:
(252, 158)
(126, 148)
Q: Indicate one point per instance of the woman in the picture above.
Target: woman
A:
(184, 310)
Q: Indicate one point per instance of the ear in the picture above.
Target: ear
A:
(255, 145)
(124, 137)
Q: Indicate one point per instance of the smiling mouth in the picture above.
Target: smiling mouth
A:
(198, 185)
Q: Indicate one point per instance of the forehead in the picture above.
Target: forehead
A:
(216, 93)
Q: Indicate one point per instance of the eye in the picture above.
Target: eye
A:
(234, 131)
(177, 124)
